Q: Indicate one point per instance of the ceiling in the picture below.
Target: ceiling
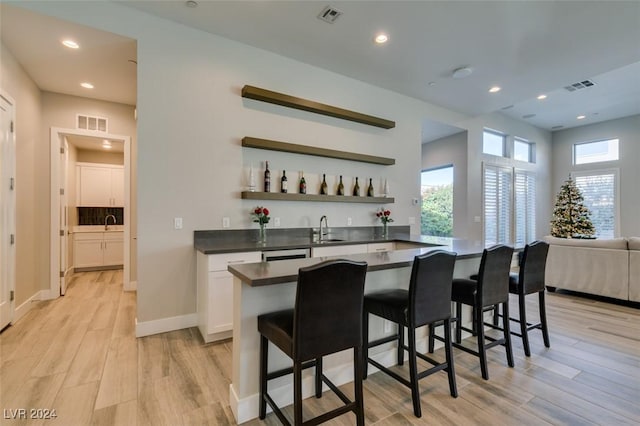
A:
(89, 143)
(526, 47)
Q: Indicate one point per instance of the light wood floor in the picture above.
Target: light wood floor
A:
(78, 355)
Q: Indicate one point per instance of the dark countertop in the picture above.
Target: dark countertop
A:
(282, 271)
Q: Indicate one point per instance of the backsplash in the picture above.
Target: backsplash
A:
(97, 215)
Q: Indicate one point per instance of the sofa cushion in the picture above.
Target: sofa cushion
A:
(634, 243)
(614, 243)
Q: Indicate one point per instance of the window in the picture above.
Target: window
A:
(493, 143)
(595, 152)
(509, 206)
(600, 191)
(437, 202)
(522, 150)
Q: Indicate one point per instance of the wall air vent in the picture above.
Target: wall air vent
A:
(88, 122)
(579, 85)
(329, 14)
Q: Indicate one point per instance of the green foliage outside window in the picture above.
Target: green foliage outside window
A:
(437, 211)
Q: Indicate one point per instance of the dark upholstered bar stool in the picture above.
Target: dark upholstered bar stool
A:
(530, 280)
(428, 300)
(490, 289)
(327, 318)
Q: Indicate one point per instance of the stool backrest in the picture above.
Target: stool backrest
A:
(534, 261)
(430, 287)
(493, 277)
(328, 310)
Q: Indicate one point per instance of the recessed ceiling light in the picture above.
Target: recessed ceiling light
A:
(87, 85)
(71, 44)
(381, 38)
(581, 117)
(106, 144)
(541, 97)
(191, 3)
(462, 72)
(495, 89)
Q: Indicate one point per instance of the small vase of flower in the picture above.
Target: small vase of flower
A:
(385, 218)
(261, 216)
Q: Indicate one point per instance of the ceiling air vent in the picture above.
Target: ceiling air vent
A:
(579, 85)
(88, 122)
(329, 14)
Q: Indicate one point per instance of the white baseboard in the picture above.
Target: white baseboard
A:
(133, 286)
(164, 325)
(28, 304)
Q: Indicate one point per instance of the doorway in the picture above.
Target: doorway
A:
(60, 203)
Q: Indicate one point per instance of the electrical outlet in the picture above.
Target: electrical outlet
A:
(226, 222)
(276, 221)
(476, 219)
(177, 223)
(412, 221)
(349, 221)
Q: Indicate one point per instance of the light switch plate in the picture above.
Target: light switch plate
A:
(276, 221)
(412, 221)
(349, 221)
(226, 222)
(177, 223)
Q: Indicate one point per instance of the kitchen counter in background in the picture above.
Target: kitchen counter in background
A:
(96, 228)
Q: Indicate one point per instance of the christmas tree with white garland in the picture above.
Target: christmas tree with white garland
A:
(571, 218)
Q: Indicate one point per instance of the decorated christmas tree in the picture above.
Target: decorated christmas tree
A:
(571, 218)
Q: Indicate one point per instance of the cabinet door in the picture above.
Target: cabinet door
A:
(117, 187)
(87, 253)
(95, 186)
(220, 302)
(338, 250)
(113, 251)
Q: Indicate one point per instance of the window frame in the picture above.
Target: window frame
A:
(576, 144)
(530, 148)
(616, 192)
(499, 134)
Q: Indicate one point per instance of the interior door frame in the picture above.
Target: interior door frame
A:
(57, 135)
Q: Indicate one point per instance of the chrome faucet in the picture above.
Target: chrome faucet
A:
(106, 221)
(326, 224)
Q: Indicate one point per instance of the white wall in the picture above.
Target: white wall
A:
(627, 130)
(451, 150)
(191, 121)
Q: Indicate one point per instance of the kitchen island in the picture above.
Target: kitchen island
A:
(270, 286)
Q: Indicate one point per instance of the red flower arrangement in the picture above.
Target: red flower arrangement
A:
(261, 215)
(384, 215)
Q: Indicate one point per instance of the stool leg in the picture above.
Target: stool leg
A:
(496, 313)
(357, 383)
(297, 393)
(474, 323)
(448, 350)
(413, 372)
(400, 344)
(507, 333)
(543, 319)
(482, 353)
(318, 377)
(432, 340)
(365, 345)
(264, 348)
(458, 322)
(523, 324)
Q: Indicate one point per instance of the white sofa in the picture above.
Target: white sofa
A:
(601, 267)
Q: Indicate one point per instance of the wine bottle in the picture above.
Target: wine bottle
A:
(323, 186)
(283, 182)
(303, 184)
(340, 187)
(356, 189)
(370, 189)
(267, 178)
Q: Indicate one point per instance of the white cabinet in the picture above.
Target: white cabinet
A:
(98, 249)
(100, 185)
(338, 250)
(381, 247)
(215, 293)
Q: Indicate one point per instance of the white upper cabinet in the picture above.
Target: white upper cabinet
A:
(100, 185)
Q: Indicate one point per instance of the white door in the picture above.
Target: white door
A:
(64, 161)
(7, 210)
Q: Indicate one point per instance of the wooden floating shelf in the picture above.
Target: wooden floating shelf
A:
(249, 142)
(281, 99)
(278, 196)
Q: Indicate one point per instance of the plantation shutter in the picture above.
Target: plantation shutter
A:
(598, 189)
(497, 190)
(525, 207)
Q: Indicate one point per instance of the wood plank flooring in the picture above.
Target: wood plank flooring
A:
(79, 356)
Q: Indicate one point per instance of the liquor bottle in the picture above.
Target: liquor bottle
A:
(283, 183)
(340, 187)
(323, 186)
(303, 184)
(267, 178)
(370, 189)
(356, 189)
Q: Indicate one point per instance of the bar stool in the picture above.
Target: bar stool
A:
(491, 288)
(327, 318)
(428, 300)
(530, 280)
